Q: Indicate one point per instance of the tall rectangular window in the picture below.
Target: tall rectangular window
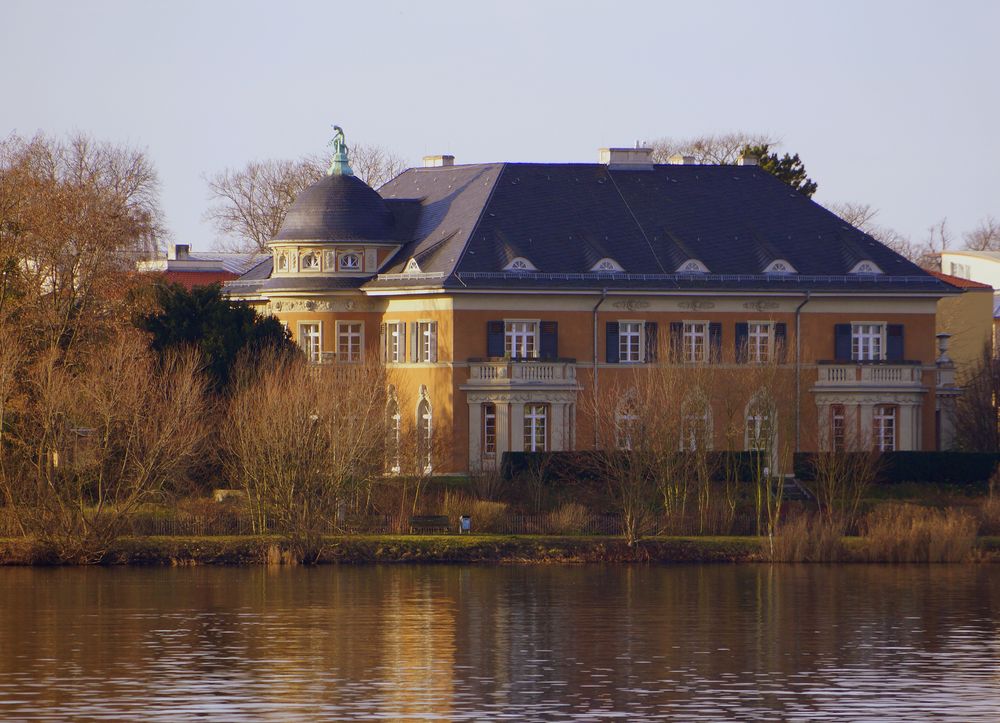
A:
(629, 342)
(521, 339)
(395, 342)
(867, 342)
(535, 418)
(884, 427)
(759, 342)
(310, 339)
(695, 342)
(349, 336)
(489, 430)
(427, 341)
(838, 428)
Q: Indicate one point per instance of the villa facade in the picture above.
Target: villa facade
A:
(503, 296)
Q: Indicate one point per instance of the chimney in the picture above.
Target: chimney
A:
(748, 159)
(681, 160)
(178, 251)
(438, 161)
(626, 159)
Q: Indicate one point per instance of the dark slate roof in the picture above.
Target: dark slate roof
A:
(464, 224)
(338, 208)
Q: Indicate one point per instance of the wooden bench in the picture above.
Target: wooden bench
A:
(430, 523)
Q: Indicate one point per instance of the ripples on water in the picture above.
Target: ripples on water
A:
(457, 643)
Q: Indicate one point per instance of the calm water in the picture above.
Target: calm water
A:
(502, 643)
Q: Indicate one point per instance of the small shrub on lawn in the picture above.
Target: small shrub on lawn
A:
(570, 519)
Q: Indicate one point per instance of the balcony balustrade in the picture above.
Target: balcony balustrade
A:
(874, 374)
(517, 372)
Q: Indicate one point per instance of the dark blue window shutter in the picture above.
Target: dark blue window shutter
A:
(652, 341)
(494, 339)
(676, 341)
(715, 342)
(611, 343)
(742, 339)
(549, 344)
(781, 342)
(894, 342)
(842, 342)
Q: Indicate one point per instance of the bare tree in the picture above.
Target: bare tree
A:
(250, 203)
(720, 148)
(985, 236)
(977, 422)
(301, 439)
(97, 438)
(862, 216)
(74, 215)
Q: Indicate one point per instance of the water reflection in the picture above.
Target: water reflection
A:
(519, 643)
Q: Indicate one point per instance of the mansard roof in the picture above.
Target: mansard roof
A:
(465, 224)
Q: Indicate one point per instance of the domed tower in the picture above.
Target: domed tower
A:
(338, 227)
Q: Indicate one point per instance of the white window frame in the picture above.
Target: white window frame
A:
(607, 265)
(427, 342)
(866, 266)
(311, 344)
(395, 432)
(281, 262)
(310, 253)
(632, 340)
(626, 422)
(395, 342)
(689, 338)
(838, 427)
(536, 423)
(692, 266)
(863, 335)
(885, 426)
(489, 430)
(760, 417)
(353, 356)
(760, 336)
(350, 254)
(512, 335)
(696, 416)
(425, 429)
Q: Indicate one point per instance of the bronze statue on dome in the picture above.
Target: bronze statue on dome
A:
(339, 162)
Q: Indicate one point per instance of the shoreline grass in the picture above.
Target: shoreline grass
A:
(442, 549)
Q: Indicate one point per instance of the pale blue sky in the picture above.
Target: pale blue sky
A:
(896, 104)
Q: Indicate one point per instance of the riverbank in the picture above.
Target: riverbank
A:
(370, 549)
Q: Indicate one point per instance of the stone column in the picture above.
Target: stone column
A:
(517, 426)
(558, 432)
(475, 435)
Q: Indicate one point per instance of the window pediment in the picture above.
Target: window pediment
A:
(692, 266)
(607, 265)
(520, 264)
(780, 266)
(866, 267)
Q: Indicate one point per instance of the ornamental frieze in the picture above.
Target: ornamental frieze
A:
(760, 305)
(294, 305)
(696, 305)
(631, 304)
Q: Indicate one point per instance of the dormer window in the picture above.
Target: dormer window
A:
(780, 266)
(412, 267)
(310, 261)
(520, 264)
(866, 267)
(350, 261)
(692, 266)
(607, 266)
(281, 262)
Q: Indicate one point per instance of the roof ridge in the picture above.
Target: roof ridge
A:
(475, 226)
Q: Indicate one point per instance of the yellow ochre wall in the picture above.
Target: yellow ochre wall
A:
(462, 323)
